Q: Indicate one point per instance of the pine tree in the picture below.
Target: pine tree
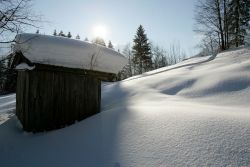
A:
(86, 39)
(2, 72)
(61, 34)
(99, 41)
(110, 45)
(8, 75)
(240, 17)
(69, 35)
(11, 76)
(142, 51)
(37, 31)
(77, 36)
(55, 34)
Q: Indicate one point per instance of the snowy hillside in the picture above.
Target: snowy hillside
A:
(195, 113)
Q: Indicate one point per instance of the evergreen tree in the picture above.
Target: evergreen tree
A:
(240, 17)
(55, 34)
(37, 31)
(8, 75)
(61, 34)
(77, 36)
(86, 39)
(69, 35)
(142, 51)
(99, 41)
(2, 74)
(110, 45)
(11, 76)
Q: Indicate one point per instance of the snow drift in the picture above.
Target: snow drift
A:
(195, 113)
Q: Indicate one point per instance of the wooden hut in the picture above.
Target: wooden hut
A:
(59, 79)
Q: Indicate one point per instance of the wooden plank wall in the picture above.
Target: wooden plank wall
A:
(50, 100)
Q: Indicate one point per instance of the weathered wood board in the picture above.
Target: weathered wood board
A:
(50, 99)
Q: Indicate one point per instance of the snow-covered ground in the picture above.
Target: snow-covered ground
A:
(195, 113)
(7, 107)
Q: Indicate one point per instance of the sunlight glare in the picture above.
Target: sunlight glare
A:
(100, 31)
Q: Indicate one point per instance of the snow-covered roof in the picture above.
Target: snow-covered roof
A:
(65, 52)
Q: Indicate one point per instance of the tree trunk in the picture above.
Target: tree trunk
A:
(220, 25)
(225, 23)
(237, 25)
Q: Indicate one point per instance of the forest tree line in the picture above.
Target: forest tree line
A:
(142, 55)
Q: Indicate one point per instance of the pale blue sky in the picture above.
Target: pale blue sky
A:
(165, 21)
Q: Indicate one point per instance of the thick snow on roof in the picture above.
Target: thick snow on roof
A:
(60, 51)
(195, 113)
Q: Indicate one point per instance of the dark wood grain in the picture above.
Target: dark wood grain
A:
(53, 97)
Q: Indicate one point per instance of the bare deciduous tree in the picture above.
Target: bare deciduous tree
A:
(15, 16)
(159, 57)
(208, 45)
(210, 20)
(224, 21)
(175, 53)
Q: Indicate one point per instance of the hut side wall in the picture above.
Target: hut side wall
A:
(50, 99)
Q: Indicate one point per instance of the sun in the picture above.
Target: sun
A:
(100, 31)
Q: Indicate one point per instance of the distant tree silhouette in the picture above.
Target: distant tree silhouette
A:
(110, 45)
(55, 34)
(69, 35)
(99, 41)
(77, 36)
(61, 34)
